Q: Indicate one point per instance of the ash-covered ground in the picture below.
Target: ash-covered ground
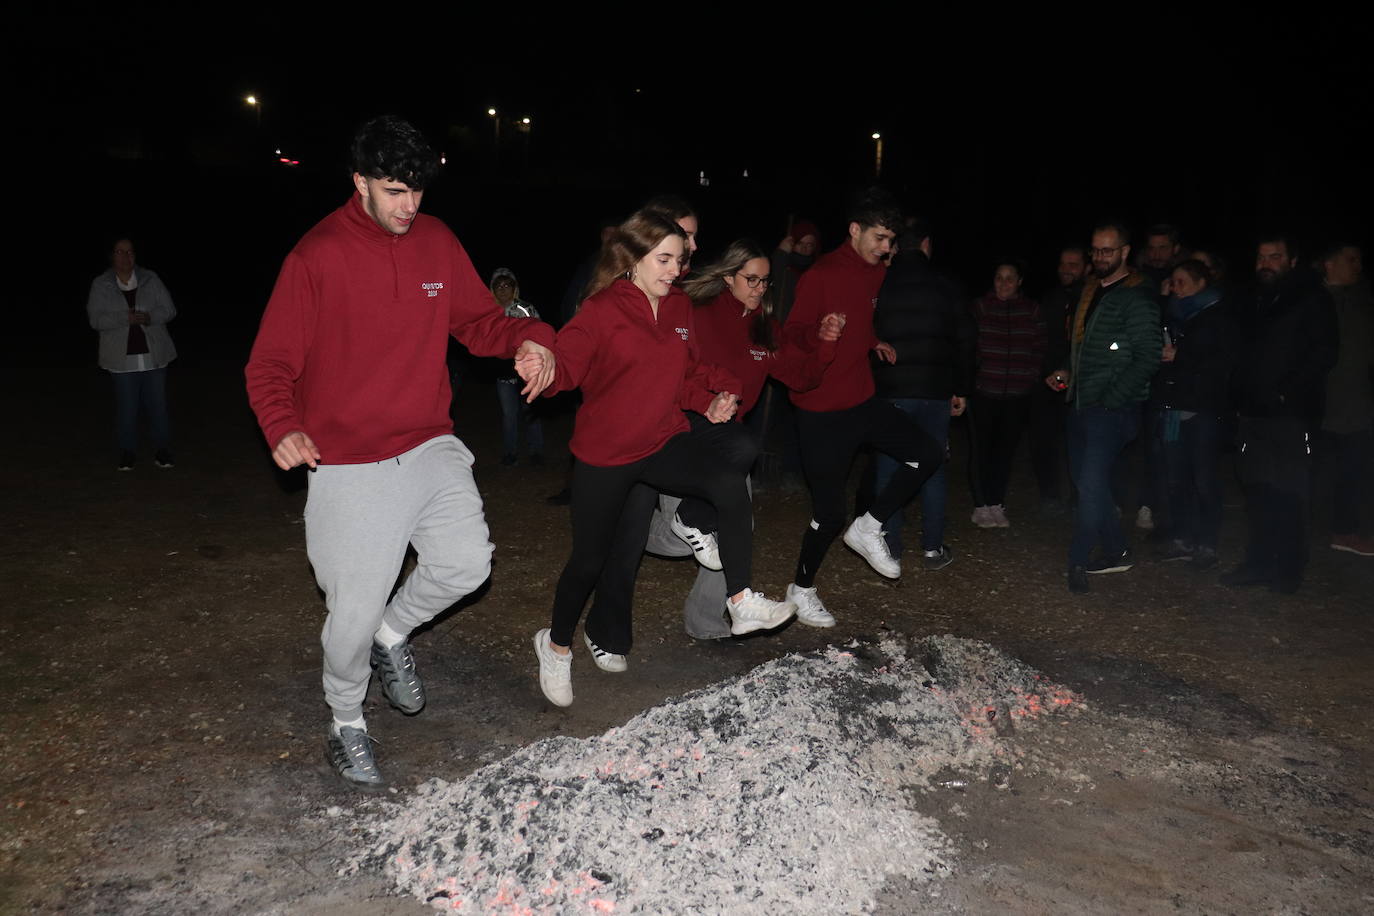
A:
(163, 723)
(789, 789)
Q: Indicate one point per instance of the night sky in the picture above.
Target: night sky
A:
(1013, 136)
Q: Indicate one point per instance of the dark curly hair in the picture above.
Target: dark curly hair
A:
(391, 148)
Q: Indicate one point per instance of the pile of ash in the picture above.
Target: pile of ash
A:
(788, 789)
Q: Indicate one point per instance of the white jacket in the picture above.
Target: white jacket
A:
(109, 314)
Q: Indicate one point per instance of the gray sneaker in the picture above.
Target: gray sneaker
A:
(938, 559)
(396, 672)
(350, 754)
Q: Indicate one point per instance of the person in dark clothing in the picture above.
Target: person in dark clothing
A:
(1349, 417)
(1288, 344)
(1047, 400)
(1191, 393)
(921, 314)
(1010, 349)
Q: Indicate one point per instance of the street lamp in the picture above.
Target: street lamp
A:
(257, 107)
(495, 127)
(877, 154)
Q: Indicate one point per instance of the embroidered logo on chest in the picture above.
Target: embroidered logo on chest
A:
(759, 355)
(431, 289)
(681, 332)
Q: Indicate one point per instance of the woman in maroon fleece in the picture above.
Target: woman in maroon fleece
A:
(736, 331)
(628, 350)
(1011, 346)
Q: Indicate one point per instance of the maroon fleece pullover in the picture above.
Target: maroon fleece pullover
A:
(841, 281)
(637, 373)
(351, 349)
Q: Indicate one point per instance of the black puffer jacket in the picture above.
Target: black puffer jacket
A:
(922, 315)
(1288, 343)
(1199, 377)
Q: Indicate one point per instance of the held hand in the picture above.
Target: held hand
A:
(957, 405)
(885, 352)
(1170, 351)
(722, 408)
(535, 364)
(295, 449)
(137, 317)
(786, 244)
(1057, 380)
(832, 326)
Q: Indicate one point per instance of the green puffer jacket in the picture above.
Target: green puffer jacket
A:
(1121, 347)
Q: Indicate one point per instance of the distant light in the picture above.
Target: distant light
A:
(284, 160)
(251, 100)
(492, 112)
(703, 180)
(877, 136)
(746, 173)
(443, 160)
(278, 152)
(525, 121)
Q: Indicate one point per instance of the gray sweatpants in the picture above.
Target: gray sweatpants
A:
(358, 520)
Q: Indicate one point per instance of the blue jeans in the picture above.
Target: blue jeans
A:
(932, 416)
(1096, 437)
(149, 390)
(514, 413)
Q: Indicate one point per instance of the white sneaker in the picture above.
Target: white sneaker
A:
(998, 514)
(755, 612)
(555, 671)
(703, 545)
(810, 611)
(1145, 519)
(982, 517)
(864, 536)
(606, 661)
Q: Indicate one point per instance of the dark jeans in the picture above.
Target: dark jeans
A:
(514, 414)
(1190, 463)
(932, 416)
(1351, 460)
(610, 518)
(148, 390)
(1096, 437)
(829, 440)
(995, 426)
(1275, 457)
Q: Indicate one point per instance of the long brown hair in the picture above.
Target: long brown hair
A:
(627, 244)
(708, 283)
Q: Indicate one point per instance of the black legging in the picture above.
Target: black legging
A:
(737, 446)
(829, 441)
(609, 512)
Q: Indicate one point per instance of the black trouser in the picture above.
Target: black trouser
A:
(829, 440)
(1190, 452)
(1274, 468)
(1348, 456)
(995, 426)
(610, 518)
(737, 445)
(1047, 435)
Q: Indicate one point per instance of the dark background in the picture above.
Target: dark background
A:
(1012, 135)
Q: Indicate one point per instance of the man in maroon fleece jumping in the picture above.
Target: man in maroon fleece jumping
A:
(347, 376)
(842, 413)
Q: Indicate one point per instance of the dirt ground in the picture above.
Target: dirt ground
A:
(163, 719)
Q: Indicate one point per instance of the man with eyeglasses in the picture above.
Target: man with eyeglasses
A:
(843, 413)
(347, 376)
(1114, 351)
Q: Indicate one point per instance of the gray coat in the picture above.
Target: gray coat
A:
(109, 314)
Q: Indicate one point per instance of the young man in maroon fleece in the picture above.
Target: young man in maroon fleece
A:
(347, 376)
(842, 413)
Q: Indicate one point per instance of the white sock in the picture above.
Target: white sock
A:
(356, 723)
(388, 638)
